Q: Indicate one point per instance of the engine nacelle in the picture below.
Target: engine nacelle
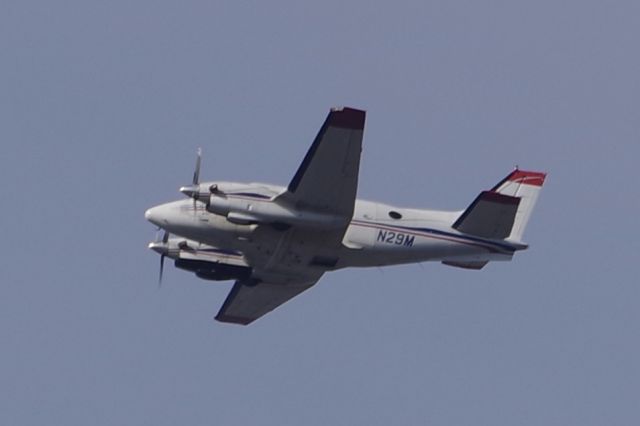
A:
(214, 271)
(247, 212)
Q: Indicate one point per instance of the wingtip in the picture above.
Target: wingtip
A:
(347, 118)
(230, 319)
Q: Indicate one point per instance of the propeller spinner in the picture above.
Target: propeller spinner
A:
(193, 190)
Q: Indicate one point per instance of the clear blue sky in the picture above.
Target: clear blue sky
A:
(103, 104)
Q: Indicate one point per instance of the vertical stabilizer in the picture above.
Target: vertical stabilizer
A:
(526, 186)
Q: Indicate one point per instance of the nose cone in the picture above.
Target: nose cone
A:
(176, 217)
(155, 216)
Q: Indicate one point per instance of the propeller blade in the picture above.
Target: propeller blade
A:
(165, 237)
(196, 180)
(161, 269)
(196, 172)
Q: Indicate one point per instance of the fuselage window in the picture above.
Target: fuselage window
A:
(395, 215)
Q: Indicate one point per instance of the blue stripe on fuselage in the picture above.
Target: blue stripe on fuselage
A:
(469, 239)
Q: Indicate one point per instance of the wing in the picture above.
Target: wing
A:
(327, 179)
(248, 301)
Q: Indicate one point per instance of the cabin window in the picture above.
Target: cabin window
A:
(395, 215)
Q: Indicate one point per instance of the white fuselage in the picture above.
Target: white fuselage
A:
(377, 235)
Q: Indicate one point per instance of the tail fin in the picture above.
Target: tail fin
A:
(503, 212)
(526, 186)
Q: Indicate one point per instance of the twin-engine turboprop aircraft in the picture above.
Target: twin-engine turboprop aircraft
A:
(277, 242)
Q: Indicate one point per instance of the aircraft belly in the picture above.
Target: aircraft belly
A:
(301, 252)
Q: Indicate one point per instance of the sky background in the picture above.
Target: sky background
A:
(103, 105)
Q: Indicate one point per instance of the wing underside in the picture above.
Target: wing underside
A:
(327, 179)
(248, 301)
(326, 182)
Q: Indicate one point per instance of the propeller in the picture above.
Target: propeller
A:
(161, 269)
(163, 251)
(193, 190)
(196, 172)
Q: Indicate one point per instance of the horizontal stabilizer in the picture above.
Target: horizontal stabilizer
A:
(491, 215)
(467, 265)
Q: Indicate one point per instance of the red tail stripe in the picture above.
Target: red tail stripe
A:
(527, 178)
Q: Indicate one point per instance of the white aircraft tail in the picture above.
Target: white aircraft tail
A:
(503, 212)
(526, 186)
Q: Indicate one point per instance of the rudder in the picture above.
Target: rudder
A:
(526, 186)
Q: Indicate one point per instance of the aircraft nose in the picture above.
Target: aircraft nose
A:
(154, 215)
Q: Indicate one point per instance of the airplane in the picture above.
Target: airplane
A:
(276, 242)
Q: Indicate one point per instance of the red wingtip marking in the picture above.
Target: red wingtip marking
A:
(527, 178)
(347, 118)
